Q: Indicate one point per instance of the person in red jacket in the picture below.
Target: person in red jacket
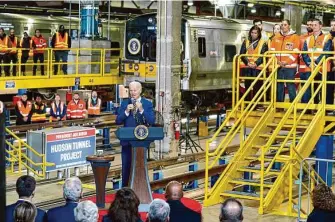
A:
(76, 109)
(39, 44)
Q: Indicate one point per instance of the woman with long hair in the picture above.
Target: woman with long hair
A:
(25, 212)
(124, 208)
(251, 66)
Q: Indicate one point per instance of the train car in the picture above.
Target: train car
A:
(208, 46)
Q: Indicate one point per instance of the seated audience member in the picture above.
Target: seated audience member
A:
(323, 200)
(39, 111)
(178, 212)
(72, 192)
(25, 212)
(124, 207)
(25, 188)
(231, 211)
(86, 211)
(159, 211)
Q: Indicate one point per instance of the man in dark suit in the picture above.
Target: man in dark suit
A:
(133, 111)
(72, 192)
(25, 188)
(178, 211)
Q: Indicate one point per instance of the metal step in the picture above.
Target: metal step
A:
(242, 195)
(251, 182)
(277, 138)
(287, 126)
(257, 170)
(273, 147)
(266, 159)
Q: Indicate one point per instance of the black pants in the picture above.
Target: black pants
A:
(36, 57)
(24, 60)
(330, 88)
(4, 59)
(247, 72)
(13, 59)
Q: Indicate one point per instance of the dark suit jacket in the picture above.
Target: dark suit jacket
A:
(318, 215)
(63, 213)
(180, 213)
(129, 121)
(41, 214)
(107, 219)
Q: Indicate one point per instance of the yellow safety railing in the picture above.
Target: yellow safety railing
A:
(245, 110)
(17, 156)
(95, 62)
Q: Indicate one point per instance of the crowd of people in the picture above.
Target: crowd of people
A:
(36, 112)
(286, 42)
(32, 47)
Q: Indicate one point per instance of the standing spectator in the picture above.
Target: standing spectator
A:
(323, 200)
(13, 52)
(275, 31)
(309, 29)
(86, 211)
(58, 109)
(4, 45)
(231, 210)
(252, 66)
(159, 211)
(39, 111)
(286, 40)
(27, 45)
(318, 42)
(259, 23)
(72, 193)
(61, 42)
(23, 110)
(25, 212)
(76, 109)
(25, 188)
(124, 207)
(94, 105)
(39, 43)
(179, 212)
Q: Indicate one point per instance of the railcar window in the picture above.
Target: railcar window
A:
(152, 47)
(202, 47)
(230, 52)
(115, 45)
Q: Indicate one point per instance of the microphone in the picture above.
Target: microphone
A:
(133, 101)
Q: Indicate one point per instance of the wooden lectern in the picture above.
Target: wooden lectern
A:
(140, 138)
(100, 166)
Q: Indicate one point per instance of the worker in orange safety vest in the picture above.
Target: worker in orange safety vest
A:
(309, 29)
(94, 104)
(23, 110)
(13, 52)
(4, 57)
(39, 111)
(252, 66)
(58, 109)
(61, 42)
(76, 109)
(287, 40)
(39, 44)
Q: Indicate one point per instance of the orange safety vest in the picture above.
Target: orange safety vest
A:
(61, 42)
(94, 109)
(76, 110)
(30, 46)
(24, 110)
(4, 45)
(302, 64)
(286, 43)
(14, 45)
(54, 109)
(36, 117)
(316, 45)
(250, 51)
(40, 44)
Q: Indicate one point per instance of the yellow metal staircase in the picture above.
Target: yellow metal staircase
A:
(277, 138)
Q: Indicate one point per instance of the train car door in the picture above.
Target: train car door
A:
(150, 63)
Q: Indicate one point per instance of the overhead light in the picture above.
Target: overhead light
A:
(283, 9)
(328, 10)
(250, 5)
(278, 13)
(253, 10)
(190, 2)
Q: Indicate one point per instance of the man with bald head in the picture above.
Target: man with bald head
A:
(178, 211)
(231, 211)
(133, 112)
